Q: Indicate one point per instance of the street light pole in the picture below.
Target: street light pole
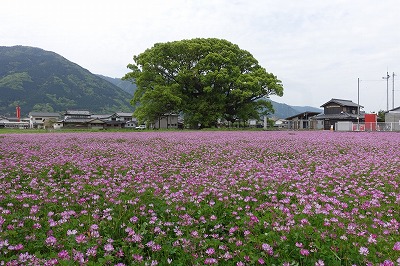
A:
(387, 90)
(393, 91)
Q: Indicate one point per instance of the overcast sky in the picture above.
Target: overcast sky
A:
(317, 48)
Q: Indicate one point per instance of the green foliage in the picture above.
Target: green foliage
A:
(37, 78)
(42, 107)
(206, 79)
(381, 116)
(15, 81)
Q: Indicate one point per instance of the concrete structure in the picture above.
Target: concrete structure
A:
(166, 121)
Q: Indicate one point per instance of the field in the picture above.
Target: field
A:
(200, 198)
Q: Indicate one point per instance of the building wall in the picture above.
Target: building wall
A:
(167, 122)
(392, 117)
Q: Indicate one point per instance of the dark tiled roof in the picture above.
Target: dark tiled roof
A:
(77, 120)
(44, 114)
(77, 112)
(342, 102)
(101, 116)
(341, 116)
(304, 114)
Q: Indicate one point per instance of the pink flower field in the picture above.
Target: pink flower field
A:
(200, 198)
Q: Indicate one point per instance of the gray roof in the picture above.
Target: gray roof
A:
(124, 114)
(101, 116)
(342, 102)
(341, 116)
(77, 120)
(77, 112)
(44, 114)
(394, 110)
(303, 114)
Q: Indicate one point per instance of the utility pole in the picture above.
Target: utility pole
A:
(393, 91)
(358, 104)
(387, 90)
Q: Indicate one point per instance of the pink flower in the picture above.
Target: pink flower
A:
(364, 251)
(261, 261)
(304, 252)
(92, 251)
(137, 257)
(63, 254)
(267, 248)
(36, 226)
(108, 247)
(396, 246)
(210, 261)
(320, 263)
(51, 240)
(80, 238)
(210, 251)
(387, 263)
(372, 239)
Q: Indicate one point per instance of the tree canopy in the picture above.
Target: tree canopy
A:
(205, 79)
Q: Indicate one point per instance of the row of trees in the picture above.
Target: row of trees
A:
(204, 79)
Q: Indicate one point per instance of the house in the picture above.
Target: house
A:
(124, 117)
(77, 114)
(84, 119)
(3, 121)
(338, 110)
(13, 122)
(281, 123)
(75, 119)
(304, 120)
(41, 119)
(118, 120)
(166, 121)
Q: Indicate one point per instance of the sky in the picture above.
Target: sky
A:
(318, 49)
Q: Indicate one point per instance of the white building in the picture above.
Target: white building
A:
(38, 119)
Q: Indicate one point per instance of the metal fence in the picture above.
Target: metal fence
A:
(374, 126)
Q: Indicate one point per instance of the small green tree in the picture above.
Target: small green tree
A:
(381, 116)
(205, 79)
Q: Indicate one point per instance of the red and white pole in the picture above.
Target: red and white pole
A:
(18, 113)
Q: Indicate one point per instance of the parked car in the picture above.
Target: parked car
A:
(141, 127)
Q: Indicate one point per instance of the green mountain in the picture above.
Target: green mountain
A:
(39, 80)
(127, 86)
(283, 110)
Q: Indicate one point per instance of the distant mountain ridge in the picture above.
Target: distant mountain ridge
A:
(283, 110)
(39, 80)
(127, 86)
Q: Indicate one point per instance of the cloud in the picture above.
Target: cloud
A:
(317, 48)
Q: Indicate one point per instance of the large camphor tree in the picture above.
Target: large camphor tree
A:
(204, 79)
